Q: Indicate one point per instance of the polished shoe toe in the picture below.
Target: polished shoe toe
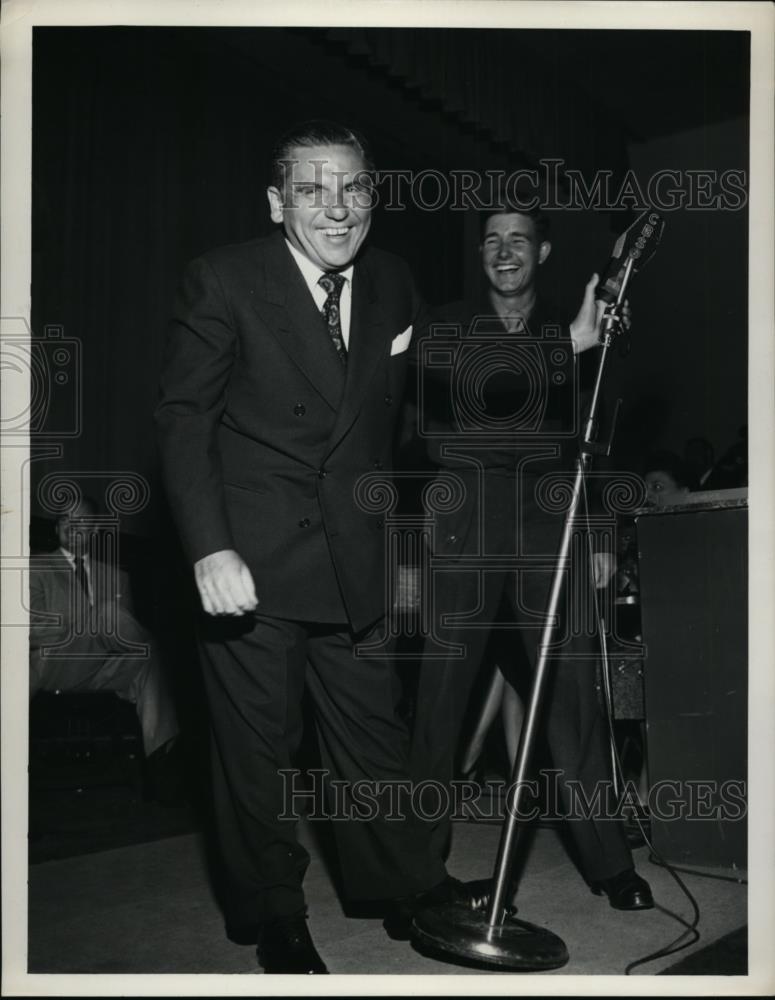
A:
(625, 891)
(398, 919)
(401, 913)
(285, 947)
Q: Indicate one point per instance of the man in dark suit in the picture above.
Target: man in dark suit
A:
(84, 636)
(283, 374)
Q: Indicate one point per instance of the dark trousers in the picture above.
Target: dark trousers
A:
(255, 673)
(493, 521)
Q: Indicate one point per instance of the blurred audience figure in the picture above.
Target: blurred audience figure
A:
(84, 637)
(668, 479)
(699, 456)
(501, 700)
(731, 470)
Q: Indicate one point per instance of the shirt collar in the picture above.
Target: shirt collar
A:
(311, 272)
(70, 556)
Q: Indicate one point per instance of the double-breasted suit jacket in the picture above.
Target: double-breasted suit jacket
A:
(265, 437)
(264, 434)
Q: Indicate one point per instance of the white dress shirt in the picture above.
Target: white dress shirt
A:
(311, 274)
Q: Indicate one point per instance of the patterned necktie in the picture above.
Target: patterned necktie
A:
(80, 574)
(331, 284)
(82, 578)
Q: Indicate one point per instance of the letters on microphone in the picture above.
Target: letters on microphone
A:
(639, 243)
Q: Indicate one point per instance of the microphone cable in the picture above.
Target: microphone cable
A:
(690, 932)
(656, 860)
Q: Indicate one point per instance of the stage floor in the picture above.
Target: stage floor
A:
(150, 908)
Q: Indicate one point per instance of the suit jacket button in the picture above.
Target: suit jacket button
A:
(380, 523)
(378, 464)
(299, 409)
(304, 522)
(388, 400)
(322, 473)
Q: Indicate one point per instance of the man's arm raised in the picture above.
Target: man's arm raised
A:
(585, 328)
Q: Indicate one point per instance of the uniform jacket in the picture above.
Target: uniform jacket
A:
(502, 394)
(263, 436)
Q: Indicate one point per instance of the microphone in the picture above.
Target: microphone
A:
(637, 243)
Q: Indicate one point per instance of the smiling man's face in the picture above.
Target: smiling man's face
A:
(511, 253)
(325, 206)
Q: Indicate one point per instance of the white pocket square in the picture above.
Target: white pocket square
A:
(401, 342)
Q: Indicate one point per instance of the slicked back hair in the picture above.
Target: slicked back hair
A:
(317, 132)
(86, 506)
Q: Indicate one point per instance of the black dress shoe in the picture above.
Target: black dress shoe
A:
(402, 911)
(285, 947)
(625, 891)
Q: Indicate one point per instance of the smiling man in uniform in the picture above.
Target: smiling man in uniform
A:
(500, 415)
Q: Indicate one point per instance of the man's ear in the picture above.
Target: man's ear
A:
(275, 204)
(543, 251)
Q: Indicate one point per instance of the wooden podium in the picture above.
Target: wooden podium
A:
(693, 587)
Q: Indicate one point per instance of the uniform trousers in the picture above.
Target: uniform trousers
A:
(499, 520)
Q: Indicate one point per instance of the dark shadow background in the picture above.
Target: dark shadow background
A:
(150, 145)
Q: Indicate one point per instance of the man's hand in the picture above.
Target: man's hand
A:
(603, 568)
(409, 589)
(225, 584)
(585, 328)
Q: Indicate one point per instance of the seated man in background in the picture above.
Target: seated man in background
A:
(84, 638)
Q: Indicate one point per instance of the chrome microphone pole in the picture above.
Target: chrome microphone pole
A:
(497, 937)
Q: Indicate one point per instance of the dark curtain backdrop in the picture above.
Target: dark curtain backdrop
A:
(150, 145)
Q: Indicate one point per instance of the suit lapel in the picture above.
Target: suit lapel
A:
(289, 312)
(292, 317)
(58, 577)
(367, 344)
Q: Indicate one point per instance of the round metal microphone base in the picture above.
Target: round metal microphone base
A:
(456, 930)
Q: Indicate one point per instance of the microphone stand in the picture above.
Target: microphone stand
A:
(497, 937)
